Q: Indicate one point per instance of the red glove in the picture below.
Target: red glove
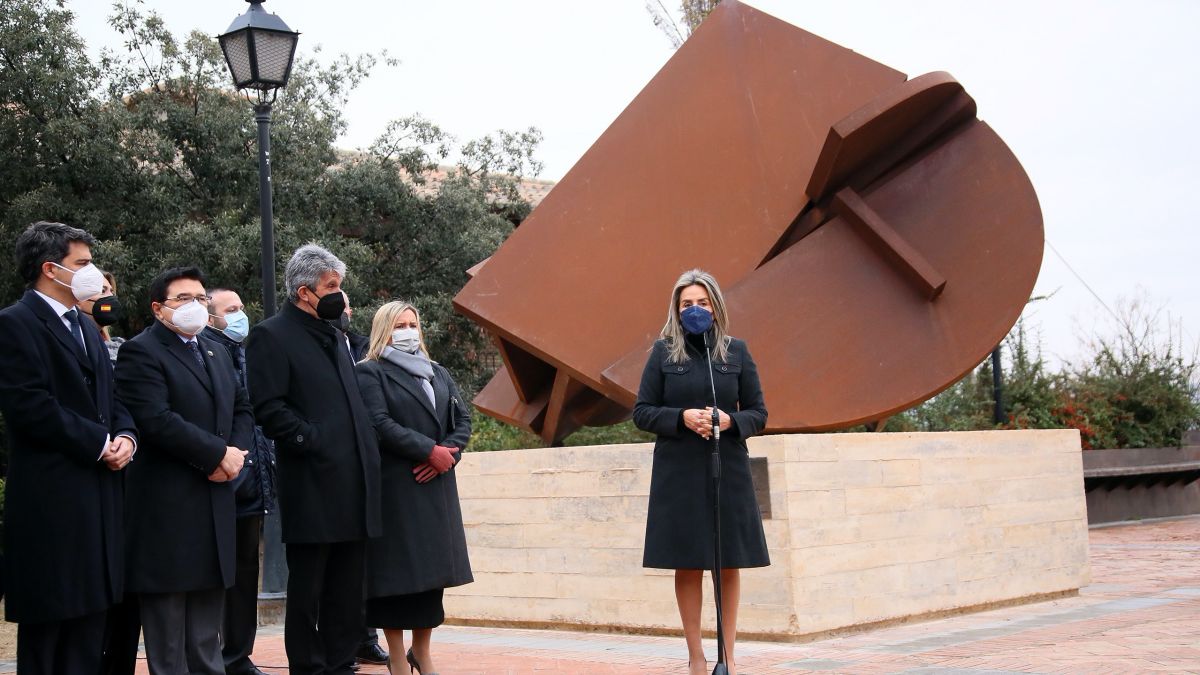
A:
(424, 473)
(442, 458)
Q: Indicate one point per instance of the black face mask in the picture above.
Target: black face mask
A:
(107, 310)
(342, 323)
(331, 306)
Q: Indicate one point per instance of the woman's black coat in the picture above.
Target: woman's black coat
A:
(423, 545)
(679, 521)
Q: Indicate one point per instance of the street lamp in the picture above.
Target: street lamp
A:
(259, 48)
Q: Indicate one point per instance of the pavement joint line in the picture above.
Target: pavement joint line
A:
(1146, 547)
(816, 664)
(939, 670)
(591, 644)
(1014, 626)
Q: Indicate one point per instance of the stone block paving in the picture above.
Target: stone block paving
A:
(1140, 614)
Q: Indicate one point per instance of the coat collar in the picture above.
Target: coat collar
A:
(54, 323)
(219, 337)
(175, 345)
(410, 385)
(294, 313)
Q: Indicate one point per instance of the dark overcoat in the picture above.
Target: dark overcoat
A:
(254, 488)
(423, 545)
(180, 525)
(306, 399)
(63, 530)
(679, 521)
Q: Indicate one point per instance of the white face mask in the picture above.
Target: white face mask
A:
(191, 318)
(406, 340)
(86, 282)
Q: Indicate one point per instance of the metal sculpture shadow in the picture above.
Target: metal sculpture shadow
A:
(874, 238)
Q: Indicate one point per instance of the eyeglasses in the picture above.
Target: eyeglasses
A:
(185, 298)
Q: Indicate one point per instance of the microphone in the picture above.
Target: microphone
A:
(716, 420)
(720, 668)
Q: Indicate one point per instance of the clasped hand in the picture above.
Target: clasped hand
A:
(119, 453)
(230, 466)
(699, 420)
(441, 459)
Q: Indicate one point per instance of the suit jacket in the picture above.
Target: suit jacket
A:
(306, 398)
(423, 546)
(63, 533)
(180, 525)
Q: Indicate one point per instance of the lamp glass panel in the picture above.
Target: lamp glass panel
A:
(274, 55)
(237, 53)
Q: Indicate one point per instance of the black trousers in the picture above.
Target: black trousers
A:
(70, 646)
(121, 636)
(323, 623)
(241, 600)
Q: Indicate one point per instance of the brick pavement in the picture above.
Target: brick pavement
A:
(1140, 614)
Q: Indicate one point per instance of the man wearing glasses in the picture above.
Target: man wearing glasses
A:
(196, 423)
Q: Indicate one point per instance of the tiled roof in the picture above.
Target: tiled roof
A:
(531, 189)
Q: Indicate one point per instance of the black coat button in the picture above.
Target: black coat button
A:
(299, 438)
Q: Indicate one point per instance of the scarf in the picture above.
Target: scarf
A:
(418, 365)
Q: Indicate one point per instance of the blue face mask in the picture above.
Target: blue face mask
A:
(696, 319)
(238, 326)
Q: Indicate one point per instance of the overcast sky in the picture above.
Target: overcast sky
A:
(1099, 101)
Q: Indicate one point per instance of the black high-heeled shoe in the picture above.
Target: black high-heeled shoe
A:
(414, 665)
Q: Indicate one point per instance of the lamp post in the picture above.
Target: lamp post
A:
(259, 49)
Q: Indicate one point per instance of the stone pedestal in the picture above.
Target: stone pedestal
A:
(864, 529)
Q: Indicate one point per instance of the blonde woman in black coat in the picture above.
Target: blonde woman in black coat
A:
(674, 401)
(423, 428)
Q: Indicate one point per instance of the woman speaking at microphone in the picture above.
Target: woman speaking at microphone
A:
(675, 403)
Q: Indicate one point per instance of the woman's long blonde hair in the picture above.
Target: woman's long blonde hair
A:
(673, 332)
(381, 328)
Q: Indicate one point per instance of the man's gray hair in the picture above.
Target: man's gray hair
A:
(308, 264)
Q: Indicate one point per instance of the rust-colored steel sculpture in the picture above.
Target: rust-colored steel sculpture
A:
(875, 240)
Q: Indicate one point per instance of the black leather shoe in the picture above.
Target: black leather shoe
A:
(371, 653)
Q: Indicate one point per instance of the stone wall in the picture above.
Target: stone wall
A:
(864, 528)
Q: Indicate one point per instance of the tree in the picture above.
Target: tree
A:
(1135, 389)
(148, 148)
(691, 14)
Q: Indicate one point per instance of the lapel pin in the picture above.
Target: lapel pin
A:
(210, 354)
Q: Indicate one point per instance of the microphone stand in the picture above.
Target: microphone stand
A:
(715, 470)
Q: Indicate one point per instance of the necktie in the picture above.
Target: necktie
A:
(73, 317)
(195, 350)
